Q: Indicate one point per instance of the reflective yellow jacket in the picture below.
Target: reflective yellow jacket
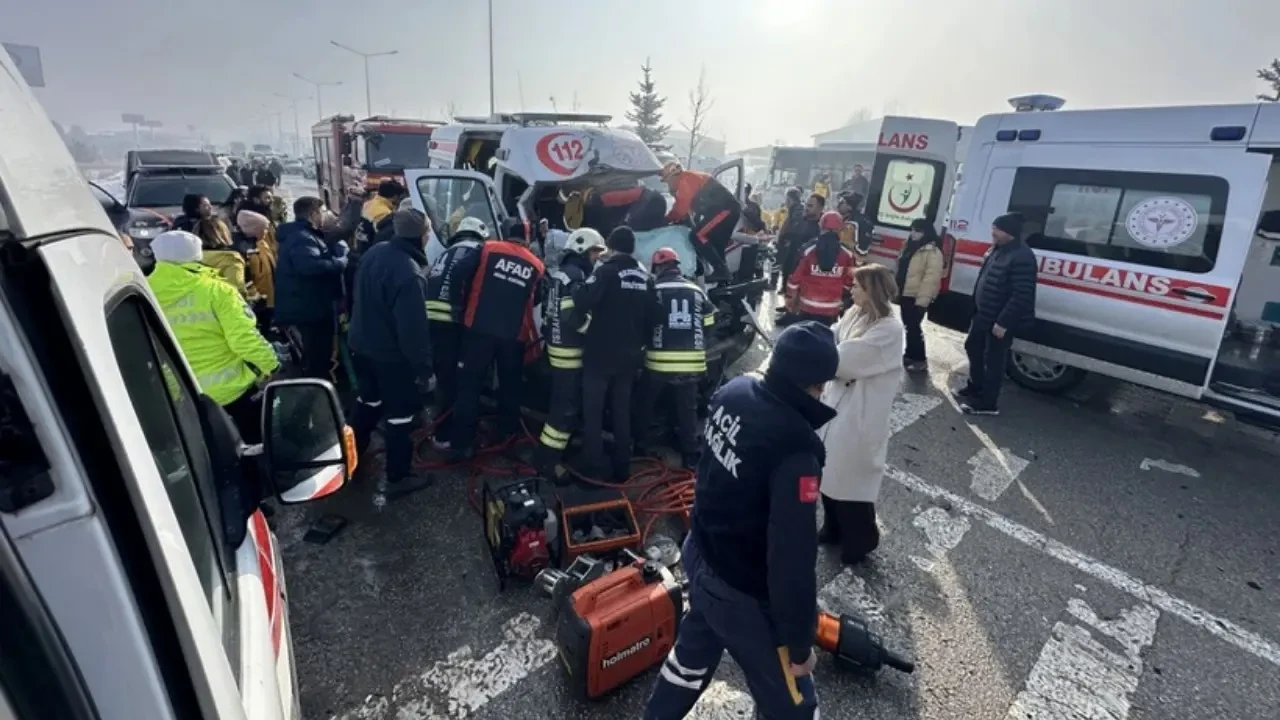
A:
(216, 330)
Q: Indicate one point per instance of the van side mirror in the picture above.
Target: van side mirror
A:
(309, 452)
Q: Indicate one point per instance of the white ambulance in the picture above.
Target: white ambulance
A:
(138, 577)
(1150, 227)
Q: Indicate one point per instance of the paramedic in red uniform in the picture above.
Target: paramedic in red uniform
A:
(498, 321)
(823, 276)
(1004, 301)
(710, 208)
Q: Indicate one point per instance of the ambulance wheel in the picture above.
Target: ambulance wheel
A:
(1040, 375)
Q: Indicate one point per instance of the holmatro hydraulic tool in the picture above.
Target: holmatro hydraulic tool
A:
(854, 646)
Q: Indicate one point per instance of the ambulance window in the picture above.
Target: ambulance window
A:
(904, 189)
(1154, 219)
(165, 404)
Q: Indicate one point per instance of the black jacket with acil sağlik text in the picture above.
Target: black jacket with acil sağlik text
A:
(620, 293)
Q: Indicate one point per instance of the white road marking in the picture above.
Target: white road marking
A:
(1220, 627)
(1172, 467)
(461, 684)
(847, 594)
(942, 531)
(1076, 676)
(720, 701)
(908, 408)
(993, 470)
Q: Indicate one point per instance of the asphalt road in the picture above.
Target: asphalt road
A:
(1108, 555)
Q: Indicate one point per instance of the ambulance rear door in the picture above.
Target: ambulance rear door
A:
(733, 176)
(912, 178)
(1140, 250)
(446, 196)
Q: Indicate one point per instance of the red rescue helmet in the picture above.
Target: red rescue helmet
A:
(662, 256)
(831, 220)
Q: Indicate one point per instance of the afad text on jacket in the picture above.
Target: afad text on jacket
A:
(822, 277)
(754, 509)
(449, 282)
(564, 338)
(681, 315)
(506, 278)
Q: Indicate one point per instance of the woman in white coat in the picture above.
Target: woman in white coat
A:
(870, 340)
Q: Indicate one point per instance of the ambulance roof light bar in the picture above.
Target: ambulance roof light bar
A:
(1036, 103)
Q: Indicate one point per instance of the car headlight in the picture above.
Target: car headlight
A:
(144, 232)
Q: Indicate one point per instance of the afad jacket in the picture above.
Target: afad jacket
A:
(216, 330)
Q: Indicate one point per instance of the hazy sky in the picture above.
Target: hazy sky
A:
(778, 69)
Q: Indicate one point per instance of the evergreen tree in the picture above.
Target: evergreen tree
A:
(646, 112)
(1271, 75)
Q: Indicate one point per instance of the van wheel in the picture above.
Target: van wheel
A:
(1044, 376)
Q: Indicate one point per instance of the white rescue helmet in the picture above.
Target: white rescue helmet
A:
(584, 240)
(472, 226)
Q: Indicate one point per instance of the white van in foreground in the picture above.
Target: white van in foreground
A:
(138, 578)
(1150, 229)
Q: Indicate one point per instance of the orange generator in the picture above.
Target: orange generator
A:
(618, 626)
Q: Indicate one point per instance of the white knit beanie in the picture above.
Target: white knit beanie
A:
(177, 246)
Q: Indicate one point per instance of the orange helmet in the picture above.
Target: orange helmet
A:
(831, 220)
(662, 256)
(670, 170)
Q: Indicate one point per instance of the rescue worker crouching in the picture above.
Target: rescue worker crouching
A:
(215, 328)
(498, 320)
(448, 287)
(752, 546)
(677, 354)
(390, 339)
(819, 286)
(712, 210)
(619, 296)
(564, 347)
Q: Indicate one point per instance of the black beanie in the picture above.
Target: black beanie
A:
(805, 354)
(622, 240)
(1010, 223)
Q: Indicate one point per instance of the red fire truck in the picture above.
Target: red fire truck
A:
(380, 147)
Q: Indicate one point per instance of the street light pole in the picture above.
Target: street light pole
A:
(297, 127)
(317, 85)
(368, 96)
(491, 106)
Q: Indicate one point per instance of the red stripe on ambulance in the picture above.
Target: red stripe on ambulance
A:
(267, 569)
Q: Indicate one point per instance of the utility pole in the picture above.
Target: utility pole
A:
(318, 85)
(492, 110)
(368, 97)
(297, 127)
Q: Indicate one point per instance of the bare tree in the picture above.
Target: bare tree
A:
(1271, 75)
(862, 114)
(700, 104)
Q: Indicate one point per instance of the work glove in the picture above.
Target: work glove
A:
(340, 250)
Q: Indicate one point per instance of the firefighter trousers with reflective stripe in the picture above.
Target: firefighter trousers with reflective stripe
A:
(685, 362)
(388, 392)
(721, 618)
(480, 352)
(683, 397)
(562, 419)
(446, 342)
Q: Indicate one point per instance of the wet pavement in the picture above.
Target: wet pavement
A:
(1110, 554)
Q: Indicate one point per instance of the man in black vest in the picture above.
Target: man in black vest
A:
(753, 539)
(677, 354)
